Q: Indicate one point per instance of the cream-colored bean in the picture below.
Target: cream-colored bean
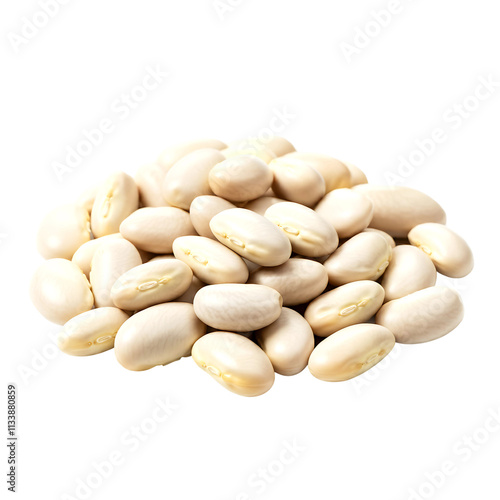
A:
(344, 306)
(115, 200)
(410, 270)
(62, 231)
(260, 205)
(91, 332)
(111, 259)
(251, 236)
(333, 171)
(84, 255)
(449, 252)
(422, 316)
(158, 335)
(60, 291)
(196, 284)
(249, 148)
(278, 145)
(154, 229)
(87, 198)
(398, 209)
(298, 281)
(201, 211)
(350, 352)
(388, 237)
(309, 234)
(210, 261)
(150, 284)
(362, 257)
(173, 154)
(188, 178)
(357, 175)
(149, 179)
(235, 362)
(348, 211)
(241, 178)
(295, 180)
(288, 342)
(237, 307)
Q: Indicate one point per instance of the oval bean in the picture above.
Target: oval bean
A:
(295, 180)
(210, 261)
(150, 284)
(241, 178)
(237, 307)
(62, 231)
(288, 342)
(363, 257)
(297, 280)
(344, 306)
(91, 332)
(115, 200)
(348, 211)
(188, 178)
(158, 335)
(422, 316)
(398, 209)
(235, 362)
(309, 234)
(350, 352)
(448, 251)
(251, 236)
(154, 229)
(60, 291)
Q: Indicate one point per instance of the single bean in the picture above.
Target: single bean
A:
(91, 332)
(398, 209)
(62, 231)
(309, 234)
(350, 352)
(115, 200)
(297, 280)
(362, 257)
(150, 284)
(241, 178)
(251, 236)
(288, 342)
(237, 307)
(344, 306)
(348, 211)
(210, 261)
(158, 335)
(60, 291)
(188, 178)
(449, 252)
(235, 362)
(422, 316)
(295, 180)
(154, 229)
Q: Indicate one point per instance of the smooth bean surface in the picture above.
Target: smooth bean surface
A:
(237, 307)
(235, 362)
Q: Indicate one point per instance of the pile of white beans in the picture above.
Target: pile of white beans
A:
(286, 259)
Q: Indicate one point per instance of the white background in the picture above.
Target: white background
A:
(377, 438)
